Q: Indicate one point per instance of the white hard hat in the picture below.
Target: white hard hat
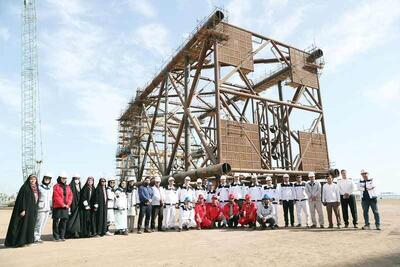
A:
(311, 174)
(111, 179)
(76, 175)
(268, 178)
(48, 174)
(254, 176)
(130, 178)
(364, 171)
(236, 174)
(63, 174)
(187, 178)
(223, 177)
(199, 181)
(286, 175)
(171, 179)
(157, 179)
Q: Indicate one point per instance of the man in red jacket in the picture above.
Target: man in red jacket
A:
(214, 212)
(200, 214)
(231, 212)
(62, 199)
(248, 213)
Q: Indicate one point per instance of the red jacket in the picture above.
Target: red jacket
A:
(227, 207)
(249, 210)
(213, 212)
(200, 211)
(58, 197)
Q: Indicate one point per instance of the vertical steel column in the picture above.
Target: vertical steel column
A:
(165, 123)
(186, 87)
(217, 100)
(283, 124)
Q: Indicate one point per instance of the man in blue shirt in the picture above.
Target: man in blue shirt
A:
(145, 196)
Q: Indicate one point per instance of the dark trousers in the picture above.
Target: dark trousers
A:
(373, 203)
(346, 202)
(288, 206)
(59, 227)
(145, 211)
(233, 222)
(156, 211)
(269, 221)
(333, 206)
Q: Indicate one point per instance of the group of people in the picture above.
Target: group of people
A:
(88, 211)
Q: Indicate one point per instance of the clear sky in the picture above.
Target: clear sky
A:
(94, 54)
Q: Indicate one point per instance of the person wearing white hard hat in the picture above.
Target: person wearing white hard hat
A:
(369, 199)
(210, 192)
(272, 191)
(313, 190)
(133, 202)
(110, 204)
(347, 199)
(186, 190)
(157, 204)
(75, 213)
(286, 198)
(255, 190)
(120, 209)
(44, 206)
(200, 189)
(223, 191)
(301, 201)
(238, 189)
(170, 205)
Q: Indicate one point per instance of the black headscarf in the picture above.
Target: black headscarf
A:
(64, 188)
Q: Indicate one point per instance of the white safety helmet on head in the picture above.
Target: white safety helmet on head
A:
(63, 174)
(76, 175)
(130, 179)
(157, 179)
(268, 178)
(311, 174)
(187, 178)
(286, 175)
(111, 179)
(171, 179)
(199, 181)
(236, 174)
(254, 176)
(223, 177)
(364, 171)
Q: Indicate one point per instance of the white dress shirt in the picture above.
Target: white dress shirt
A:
(346, 186)
(330, 193)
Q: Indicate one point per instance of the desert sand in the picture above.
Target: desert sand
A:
(221, 247)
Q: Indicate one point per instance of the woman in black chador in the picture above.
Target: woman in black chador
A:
(88, 220)
(99, 205)
(74, 221)
(23, 219)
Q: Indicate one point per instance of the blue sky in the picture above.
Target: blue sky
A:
(94, 54)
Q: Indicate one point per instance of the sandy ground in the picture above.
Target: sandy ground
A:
(283, 247)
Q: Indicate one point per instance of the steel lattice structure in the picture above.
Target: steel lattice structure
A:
(29, 88)
(229, 98)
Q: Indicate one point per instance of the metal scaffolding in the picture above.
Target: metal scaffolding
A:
(207, 107)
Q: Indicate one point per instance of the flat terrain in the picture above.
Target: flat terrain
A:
(283, 247)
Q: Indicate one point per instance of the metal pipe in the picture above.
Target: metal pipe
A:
(206, 172)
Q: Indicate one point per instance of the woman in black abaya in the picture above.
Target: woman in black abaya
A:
(23, 219)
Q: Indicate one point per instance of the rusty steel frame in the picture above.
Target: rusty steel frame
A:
(182, 107)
